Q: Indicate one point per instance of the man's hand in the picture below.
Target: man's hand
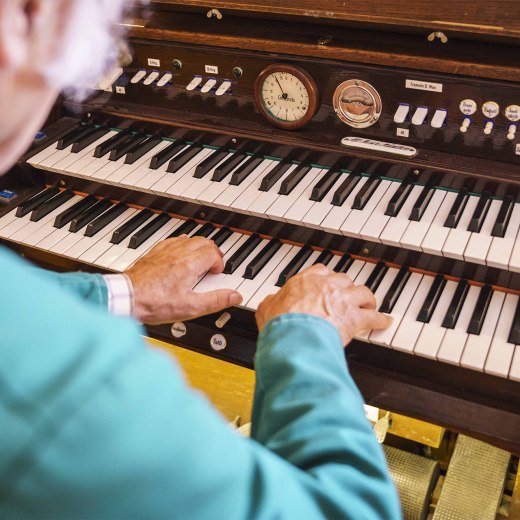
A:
(332, 296)
(164, 278)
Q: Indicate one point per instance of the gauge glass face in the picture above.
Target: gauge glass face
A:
(285, 97)
(357, 103)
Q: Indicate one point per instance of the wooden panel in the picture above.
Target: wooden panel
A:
(483, 17)
(414, 430)
(229, 387)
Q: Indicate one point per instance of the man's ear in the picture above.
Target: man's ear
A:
(14, 33)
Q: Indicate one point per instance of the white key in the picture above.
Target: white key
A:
(501, 352)
(416, 231)
(357, 218)
(432, 333)
(64, 166)
(378, 220)
(103, 235)
(186, 174)
(8, 218)
(56, 157)
(479, 243)
(338, 214)
(88, 170)
(108, 168)
(132, 255)
(103, 244)
(215, 189)
(231, 193)
(396, 226)
(280, 206)
(195, 187)
(501, 248)
(269, 286)
(384, 337)
(40, 156)
(319, 210)
(265, 199)
(477, 347)
(249, 287)
(354, 270)
(128, 174)
(514, 371)
(455, 339)
(146, 182)
(459, 236)
(379, 294)
(409, 329)
(253, 191)
(211, 281)
(31, 227)
(364, 274)
(438, 232)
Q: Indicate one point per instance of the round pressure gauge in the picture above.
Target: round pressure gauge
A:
(357, 103)
(286, 96)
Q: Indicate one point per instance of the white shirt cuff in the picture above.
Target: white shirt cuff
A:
(120, 294)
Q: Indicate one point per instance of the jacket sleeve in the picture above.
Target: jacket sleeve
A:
(136, 442)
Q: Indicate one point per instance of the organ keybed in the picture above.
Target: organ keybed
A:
(359, 141)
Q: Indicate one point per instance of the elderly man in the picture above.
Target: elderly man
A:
(94, 424)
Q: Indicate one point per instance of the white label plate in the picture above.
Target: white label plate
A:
(424, 85)
(152, 62)
(211, 69)
(379, 146)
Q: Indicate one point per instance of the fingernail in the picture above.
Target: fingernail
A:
(235, 299)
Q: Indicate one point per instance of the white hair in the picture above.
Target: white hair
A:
(89, 45)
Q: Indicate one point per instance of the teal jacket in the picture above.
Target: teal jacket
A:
(94, 424)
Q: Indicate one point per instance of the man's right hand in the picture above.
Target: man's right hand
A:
(332, 296)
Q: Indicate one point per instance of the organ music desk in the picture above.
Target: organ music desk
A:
(378, 138)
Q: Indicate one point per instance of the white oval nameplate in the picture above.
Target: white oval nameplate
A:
(362, 143)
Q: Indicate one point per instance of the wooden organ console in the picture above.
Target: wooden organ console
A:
(379, 138)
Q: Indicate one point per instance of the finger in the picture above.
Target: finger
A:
(316, 269)
(214, 301)
(362, 296)
(371, 319)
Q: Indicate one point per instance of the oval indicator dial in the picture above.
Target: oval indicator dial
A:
(357, 103)
(286, 96)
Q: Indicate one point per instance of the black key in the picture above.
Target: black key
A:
(184, 229)
(141, 149)
(422, 202)
(294, 178)
(245, 169)
(130, 226)
(205, 231)
(228, 166)
(210, 162)
(47, 207)
(166, 154)
(324, 185)
(241, 254)
(221, 236)
(184, 158)
(428, 307)
(503, 217)
(344, 264)
(90, 214)
(71, 213)
(261, 259)
(110, 144)
(147, 231)
(399, 198)
(345, 189)
(514, 334)
(35, 201)
(126, 146)
(325, 257)
(364, 194)
(88, 139)
(479, 314)
(103, 220)
(393, 294)
(73, 136)
(275, 175)
(480, 213)
(294, 265)
(456, 304)
(376, 276)
(457, 209)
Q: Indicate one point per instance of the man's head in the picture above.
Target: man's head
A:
(47, 46)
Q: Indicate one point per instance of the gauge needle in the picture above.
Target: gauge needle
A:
(284, 95)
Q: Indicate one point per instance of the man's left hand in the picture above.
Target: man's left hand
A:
(163, 281)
